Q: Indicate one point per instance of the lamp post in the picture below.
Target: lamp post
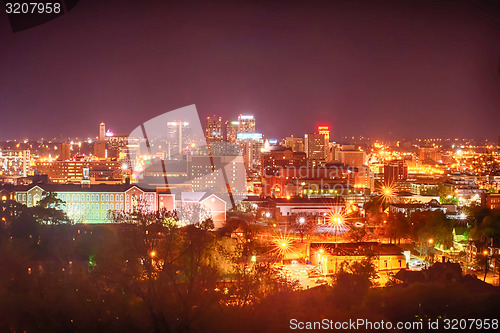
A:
(485, 253)
(430, 243)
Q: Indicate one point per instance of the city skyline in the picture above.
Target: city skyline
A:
(392, 70)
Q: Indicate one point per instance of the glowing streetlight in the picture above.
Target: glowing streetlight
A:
(302, 220)
(152, 254)
(268, 215)
(430, 241)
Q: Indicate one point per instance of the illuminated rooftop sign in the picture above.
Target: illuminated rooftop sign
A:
(249, 136)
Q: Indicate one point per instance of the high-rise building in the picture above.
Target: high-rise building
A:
(64, 151)
(353, 158)
(325, 130)
(14, 162)
(295, 144)
(315, 146)
(251, 144)
(278, 157)
(395, 171)
(213, 129)
(231, 130)
(102, 132)
(100, 149)
(246, 124)
(428, 155)
(178, 135)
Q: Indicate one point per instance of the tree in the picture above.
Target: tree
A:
(353, 281)
(303, 225)
(49, 210)
(356, 234)
(397, 227)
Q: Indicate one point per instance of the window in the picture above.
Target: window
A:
(121, 197)
(111, 206)
(88, 197)
(24, 197)
(107, 197)
(107, 206)
(102, 197)
(121, 206)
(92, 197)
(102, 206)
(72, 197)
(111, 197)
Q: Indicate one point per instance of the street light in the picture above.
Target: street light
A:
(152, 254)
(302, 220)
(430, 241)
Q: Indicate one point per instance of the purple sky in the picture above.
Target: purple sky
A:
(413, 68)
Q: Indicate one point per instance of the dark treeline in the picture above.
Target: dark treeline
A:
(146, 273)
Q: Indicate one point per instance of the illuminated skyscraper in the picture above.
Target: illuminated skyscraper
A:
(102, 132)
(295, 144)
(231, 130)
(213, 129)
(315, 146)
(246, 124)
(394, 172)
(64, 151)
(325, 130)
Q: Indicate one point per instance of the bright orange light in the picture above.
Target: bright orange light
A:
(283, 244)
(485, 252)
(152, 254)
(431, 241)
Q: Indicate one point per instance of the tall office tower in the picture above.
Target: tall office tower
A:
(102, 132)
(295, 144)
(325, 130)
(315, 146)
(14, 162)
(251, 145)
(64, 151)
(231, 130)
(246, 124)
(100, 149)
(178, 135)
(428, 155)
(213, 129)
(395, 171)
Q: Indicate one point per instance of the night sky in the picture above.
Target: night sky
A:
(412, 68)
